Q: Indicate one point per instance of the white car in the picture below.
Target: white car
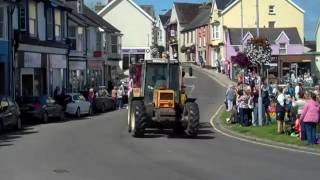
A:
(77, 105)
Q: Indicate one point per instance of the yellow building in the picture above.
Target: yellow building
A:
(272, 13)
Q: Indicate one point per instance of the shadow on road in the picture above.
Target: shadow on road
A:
(204, 133)
(8, 137)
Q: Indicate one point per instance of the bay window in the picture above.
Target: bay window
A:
(33, 23)
(57, 24)
(80, 42)
(216, 31)
(114, 44)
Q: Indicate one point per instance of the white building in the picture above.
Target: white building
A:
(135, 24)
(161, 25)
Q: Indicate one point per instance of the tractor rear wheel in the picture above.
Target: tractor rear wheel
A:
(192, 116)
(138, 118)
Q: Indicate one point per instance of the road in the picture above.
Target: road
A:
(100, 148)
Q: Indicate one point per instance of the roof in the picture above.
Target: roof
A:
(203, 18)
(74, 12)
(113, 3)
(165, 17)
(270, 33)
(148, 9)
(222, 4)
(186, 12)
(312, 45)
(98, 19)
(234, 2)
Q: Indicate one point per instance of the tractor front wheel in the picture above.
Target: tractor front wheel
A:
(191, 115)
(138, 118)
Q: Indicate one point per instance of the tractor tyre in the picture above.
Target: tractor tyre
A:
(138, 118)
(192, 117)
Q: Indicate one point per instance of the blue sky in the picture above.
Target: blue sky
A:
(310, 6)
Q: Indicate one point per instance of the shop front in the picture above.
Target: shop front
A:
(57, 72)
(77, 76)
(133, 55)
(96, 73)
(292, 67)
(31, 75)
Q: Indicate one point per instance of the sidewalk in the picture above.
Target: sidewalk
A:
(220, 78)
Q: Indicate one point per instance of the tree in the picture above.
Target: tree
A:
(258, 51)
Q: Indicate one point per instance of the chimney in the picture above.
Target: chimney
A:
(98, 6)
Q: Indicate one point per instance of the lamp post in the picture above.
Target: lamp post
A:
(11, 7)
(260, 108)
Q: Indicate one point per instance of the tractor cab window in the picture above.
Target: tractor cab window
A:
(157, 79)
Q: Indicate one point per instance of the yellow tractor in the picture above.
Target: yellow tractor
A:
(158, 99)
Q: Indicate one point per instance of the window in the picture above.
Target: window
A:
(99, 41)
(191, 37)
(57, 24)
(272, 10)
(204, 41)
(272, 24)
(282, 48)
(216, 31)
(80, 44)
(200, 42)
(188, 38)
(114, 44)
(2, 23)
(22, 17)
(49, 24)
(72, 31)
(33, 24)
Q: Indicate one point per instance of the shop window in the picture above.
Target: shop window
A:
(282, 48)
(49, 24)
(57, 22)
(99, 41)
(33, 21)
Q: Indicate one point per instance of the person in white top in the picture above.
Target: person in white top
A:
(296, 91)
(281, 100)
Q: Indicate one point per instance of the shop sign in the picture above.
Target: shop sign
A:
(97, 54)
(133, 51)
(95, 65)
(32, 60)
(77, 65)
(58, 61)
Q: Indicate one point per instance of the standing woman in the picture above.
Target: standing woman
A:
(310, 117)
(243, 103)
(230, 97)
(280, 110)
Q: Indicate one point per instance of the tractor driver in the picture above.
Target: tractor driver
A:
(157, 78)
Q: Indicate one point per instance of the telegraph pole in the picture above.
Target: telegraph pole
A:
(260, 108)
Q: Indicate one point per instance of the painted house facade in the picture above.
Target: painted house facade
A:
(317, 36)
(137, 29)
(181, 15)
(41, 58)
(273, 14)
(287, 47)
(4, 50)
(198, 50)
(161, 24)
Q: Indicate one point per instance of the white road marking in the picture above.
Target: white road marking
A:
(254, 142)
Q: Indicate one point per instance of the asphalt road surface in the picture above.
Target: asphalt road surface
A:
(99, 148)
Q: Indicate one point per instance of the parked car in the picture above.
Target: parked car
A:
(103, 101)
(9, 113)
(40, 107)
(77, 105)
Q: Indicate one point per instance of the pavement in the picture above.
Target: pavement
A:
(99, 148)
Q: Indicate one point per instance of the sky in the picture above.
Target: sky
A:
(312, 8)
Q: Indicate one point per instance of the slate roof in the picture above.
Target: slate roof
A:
(270, 33)
(98, 19)
(186, 12)
(203, 18)
(165, 17)
(312, 45)
(222, 4)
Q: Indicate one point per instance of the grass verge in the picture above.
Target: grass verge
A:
(268, 132)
